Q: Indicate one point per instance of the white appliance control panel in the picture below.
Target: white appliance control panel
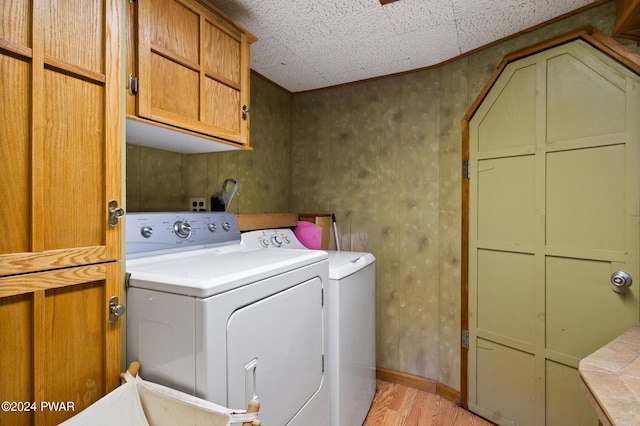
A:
(272, 238)
(151, 232)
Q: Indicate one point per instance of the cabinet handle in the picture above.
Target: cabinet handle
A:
(115, 213)
(245, 111)
(116, 310)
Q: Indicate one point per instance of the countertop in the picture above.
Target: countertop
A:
(611, 379)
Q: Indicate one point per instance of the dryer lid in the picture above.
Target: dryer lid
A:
(209, 271)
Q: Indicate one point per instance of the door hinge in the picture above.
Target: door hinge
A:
(465, 339)
(133, 84)
(465, 169)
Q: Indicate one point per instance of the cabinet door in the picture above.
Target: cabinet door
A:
(61, 146)
(57, 343)
(193, 69)
(60, 157)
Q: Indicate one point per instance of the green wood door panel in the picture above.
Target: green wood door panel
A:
(505, 382)
(509, 121)
(567, 404)
(507, 278)
(506, 200)
(570, 108)
(582, 311)
(585, 190)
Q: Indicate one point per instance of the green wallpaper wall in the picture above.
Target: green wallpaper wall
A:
(384, 156)
(165, 181)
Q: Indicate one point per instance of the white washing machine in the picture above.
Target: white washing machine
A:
(350, 306)
(225, 322)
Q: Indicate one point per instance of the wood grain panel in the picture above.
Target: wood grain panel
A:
(221, 53)
(180, 92)
(20, 263)
(15, 154)
(175, 28)
(73, 166)
(29, 283)
(250, 222)
(627, 19)
(74, 318)
(113, 157)
(131, 51)
(223, 106)
(16, 359)
(57, 342)
(72, 27)
(15, 22)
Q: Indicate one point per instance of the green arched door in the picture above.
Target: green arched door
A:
(553, 212)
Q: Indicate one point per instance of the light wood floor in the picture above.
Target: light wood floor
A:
(397, 405)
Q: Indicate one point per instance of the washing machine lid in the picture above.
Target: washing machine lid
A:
(210, 271)
(344, 263)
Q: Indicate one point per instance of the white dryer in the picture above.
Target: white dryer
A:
(225, 322)
(350, 306)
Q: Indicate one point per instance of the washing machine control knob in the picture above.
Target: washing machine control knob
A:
(276, 240)
(182, 229)
(212, 227)
(146, 231)
(226, 226)
(264, 243)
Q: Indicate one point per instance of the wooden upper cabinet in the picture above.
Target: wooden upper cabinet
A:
(627, 20)
(192, 65)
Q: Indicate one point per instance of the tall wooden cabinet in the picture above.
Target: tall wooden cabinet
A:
(60, 161)
(189, 69)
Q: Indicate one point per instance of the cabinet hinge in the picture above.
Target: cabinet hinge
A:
(133, 84)
(465, 339)
(465, 169)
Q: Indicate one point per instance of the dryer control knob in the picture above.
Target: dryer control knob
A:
(226, 226)
(212, 227)
(276, 240)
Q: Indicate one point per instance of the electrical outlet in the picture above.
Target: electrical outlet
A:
(198, 204)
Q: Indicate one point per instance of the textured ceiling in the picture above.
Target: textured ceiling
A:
(310, 44)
